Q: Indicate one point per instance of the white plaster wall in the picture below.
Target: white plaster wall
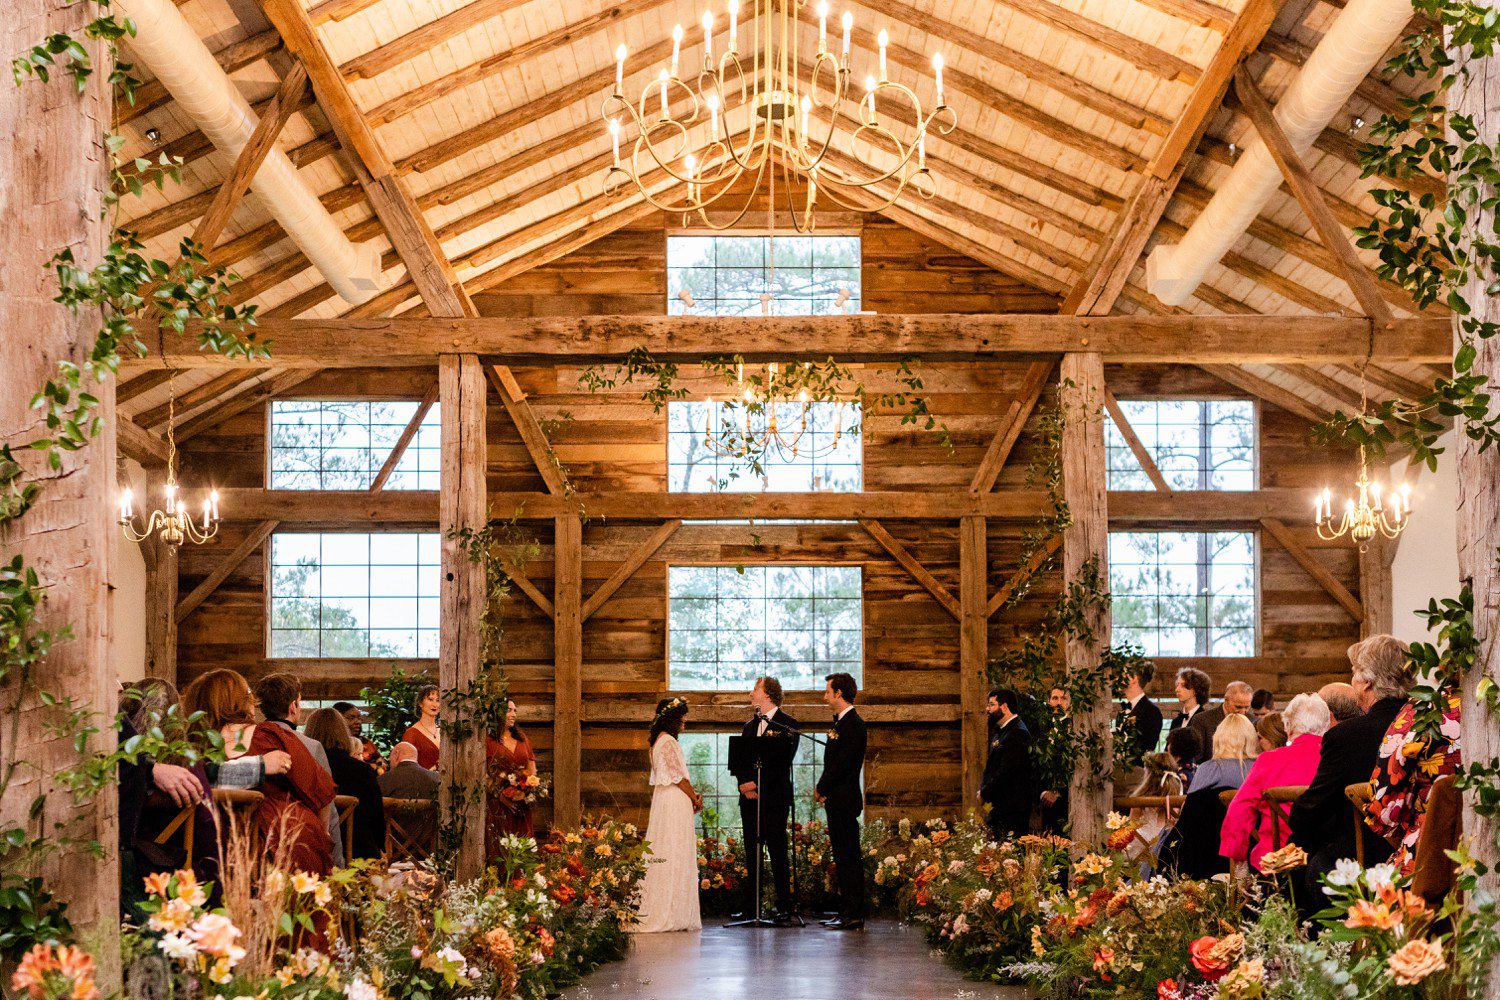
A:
(128, 592)
(1426, 564)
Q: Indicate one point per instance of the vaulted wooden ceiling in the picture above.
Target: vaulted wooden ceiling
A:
(463, 138)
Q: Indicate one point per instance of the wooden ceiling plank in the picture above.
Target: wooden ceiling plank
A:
(1011, 424)
(1142, 55)
(271, 384)
(1310, 197)
(408, 433)
(1325, 384)
(196, 397)
(1098, 288)
(262, 140)
(134, 441)
(419, 40)
(127, 390)
(909, 562)
(232, 58)
(1390, 381)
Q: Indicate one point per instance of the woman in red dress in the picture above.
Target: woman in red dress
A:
(423, 734)
(508, 758)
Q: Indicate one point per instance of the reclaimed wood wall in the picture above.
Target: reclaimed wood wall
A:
(612, 440)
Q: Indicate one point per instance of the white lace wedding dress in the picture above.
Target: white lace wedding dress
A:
(669, 894)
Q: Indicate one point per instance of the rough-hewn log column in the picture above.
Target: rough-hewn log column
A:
(1375, 586)
(1086, 553)
(973, 651)
(1478, 94)
(161, 608)
(567, 681)
(54, 165)
(461, 391)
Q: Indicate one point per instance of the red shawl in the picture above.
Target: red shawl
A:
(294, 801)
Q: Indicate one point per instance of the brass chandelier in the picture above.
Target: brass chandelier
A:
(172, 523)
(759, 105)
(1366, 513)
(754, 423)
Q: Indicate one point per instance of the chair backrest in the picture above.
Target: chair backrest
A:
(241, 805)
(185, 820)
(345, 805)
(1433, 872)
(1275, 798)
(410, 829)
(1359, 796)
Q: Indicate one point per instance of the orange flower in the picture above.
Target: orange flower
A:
(1004, 901)
(1415, 961)
(1210, 958)
(940, 838)
(158, 884)
(45, 971)
(1367, 914)
(1120, 839)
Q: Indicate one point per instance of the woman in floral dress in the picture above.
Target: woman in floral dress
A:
(1410, 762)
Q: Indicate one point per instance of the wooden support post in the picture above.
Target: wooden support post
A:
(1375, 585)
(567, 681)
(973, 652)
(161, 608)
(462, 505)
(55, 170)
(1086, 552)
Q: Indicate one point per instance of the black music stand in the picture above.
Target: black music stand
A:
(753, 753)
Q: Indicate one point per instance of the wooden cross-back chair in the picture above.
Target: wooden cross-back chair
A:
(1274, 798)
(239, 806)
(186, 820)
(1359, 796)
(408, 827)
(1166, 803)
(345, 805)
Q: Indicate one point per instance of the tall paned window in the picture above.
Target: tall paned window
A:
(319, 444)
(727, 275)
(828, 453)
(1185, 593)
(708, 765)
(728, 625)
(354, 594)
(1198, 444)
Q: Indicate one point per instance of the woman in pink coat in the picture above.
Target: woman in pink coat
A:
(1306, 720)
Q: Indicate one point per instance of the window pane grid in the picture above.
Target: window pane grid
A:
(350, 594)
(829, 455)
(1185, 593)
(728, 625)
(342, 445)
(708, 766)
(726, 275)
(1198, 444)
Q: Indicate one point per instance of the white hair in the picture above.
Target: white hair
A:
(1306, 714)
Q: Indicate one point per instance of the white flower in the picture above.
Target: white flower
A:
(983, 895)
(960, 925)
(1379, 876)
(360, 988)
(1116, 821)
(1345, 873)
(177, 946)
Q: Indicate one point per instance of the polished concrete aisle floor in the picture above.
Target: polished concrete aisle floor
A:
(884, 962)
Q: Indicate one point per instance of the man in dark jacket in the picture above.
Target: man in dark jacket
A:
(764, 810)
(1007, 783)
(1322, 819)
(839, 791)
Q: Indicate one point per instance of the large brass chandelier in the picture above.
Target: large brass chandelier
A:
(770, 419)
(1367, 512)
(766, 109)
(172, 523)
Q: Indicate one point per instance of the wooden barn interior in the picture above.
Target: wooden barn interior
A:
(461, 143)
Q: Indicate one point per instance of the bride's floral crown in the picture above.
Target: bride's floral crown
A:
(670, 706)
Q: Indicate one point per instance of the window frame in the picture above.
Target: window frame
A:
(1257, 482)
(864, 611)
(268, 595)
(858, 434)
(1257, 577)
(761, 232)
(269, 425)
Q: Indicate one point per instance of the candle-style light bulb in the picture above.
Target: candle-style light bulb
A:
(734, 25)
(690, 166)
(822, 27)
(712, 100)
(937, 71)
(708, 37)
(848, 22)
(213, 502)
(676, 47)
(614, 138)
(620, 68)
(662, 79)
(870, 97)
(883, 39)
(126, 510)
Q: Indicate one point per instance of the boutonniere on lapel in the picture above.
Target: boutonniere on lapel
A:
(833, 734)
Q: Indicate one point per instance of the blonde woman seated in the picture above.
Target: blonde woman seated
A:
(1235, 748)
(1161, 779)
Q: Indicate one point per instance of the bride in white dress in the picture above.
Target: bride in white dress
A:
(669, 894)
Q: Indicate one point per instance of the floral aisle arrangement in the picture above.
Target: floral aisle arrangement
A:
(722, 871)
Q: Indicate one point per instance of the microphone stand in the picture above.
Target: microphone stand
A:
(796, 914)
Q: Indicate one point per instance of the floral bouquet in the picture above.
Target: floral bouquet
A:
(516, 789)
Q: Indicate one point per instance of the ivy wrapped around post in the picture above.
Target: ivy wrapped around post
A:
(1085, 568)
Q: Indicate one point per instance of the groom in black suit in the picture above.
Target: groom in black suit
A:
(839, 791)
(775, 800)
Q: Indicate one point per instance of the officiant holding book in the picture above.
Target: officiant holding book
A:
(772, 796)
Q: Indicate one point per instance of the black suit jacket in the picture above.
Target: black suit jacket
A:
(842, 761)
(776, 781)
(1146, 719)
(1008, 780)
(1321, 817)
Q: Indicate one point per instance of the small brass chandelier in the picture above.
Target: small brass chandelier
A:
(1367, 512)
(172, 523)
(760, 427)
(759, 107)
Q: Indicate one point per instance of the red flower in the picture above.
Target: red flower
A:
(563, 893)
(1201, 952)
(1167, 989)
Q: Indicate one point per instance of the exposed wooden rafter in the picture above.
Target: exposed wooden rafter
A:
(398, 450)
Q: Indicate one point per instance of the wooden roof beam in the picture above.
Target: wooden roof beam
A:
(1268, 391)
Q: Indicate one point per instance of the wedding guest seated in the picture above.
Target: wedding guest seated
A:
(1186, 747)
(222, 700)
(407, 779)
(364, 749)
(279, 698)
(1237, 696)
(423, 734)
(1408, 765)
(1235, 749)
(1262, 703)
(351, 776)
(1320, 820)
(1250, 822)
(1270, 732)
(1192, 696)
(1342, 700)
(1161, 779)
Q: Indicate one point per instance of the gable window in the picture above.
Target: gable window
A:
(728, 625)
(1198, 444)
(354, 594)
(1185, 593)
(829, 454)
(319, 444)
(727, 275)
(708, 765)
